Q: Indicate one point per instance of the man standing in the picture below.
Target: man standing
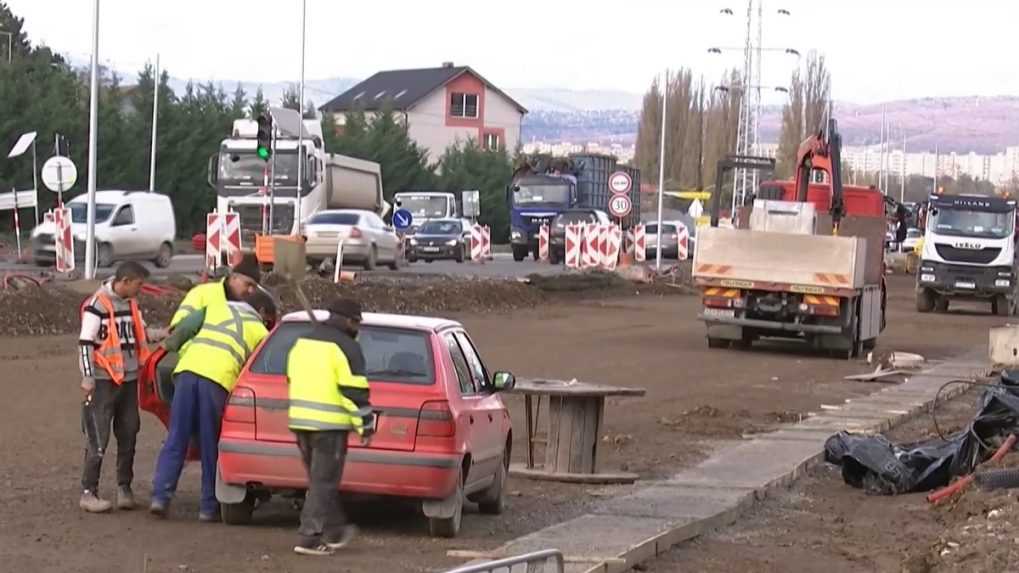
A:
(205, 374)
(328, 398)
(112, 344)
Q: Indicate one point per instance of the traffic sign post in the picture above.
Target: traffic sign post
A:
(620, 182)
(620, 206)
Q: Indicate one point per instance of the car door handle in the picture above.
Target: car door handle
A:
(470, 419)
(490, 418)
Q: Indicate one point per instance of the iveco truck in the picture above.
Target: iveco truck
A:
(968, 253)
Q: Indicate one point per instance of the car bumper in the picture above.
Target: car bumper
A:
(352, 248)
(439, 252)
(276, 465)
(963, 281)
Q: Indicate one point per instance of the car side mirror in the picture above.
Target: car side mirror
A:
(503, 382)
(213, 170)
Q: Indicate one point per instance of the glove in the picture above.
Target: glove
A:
(88, 384)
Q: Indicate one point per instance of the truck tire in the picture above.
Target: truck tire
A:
(519, 253)
(924, 300)
(717, 343)
(553, 257)
(1001, 306)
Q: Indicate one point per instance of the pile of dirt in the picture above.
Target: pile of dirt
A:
(708, 420)
(38, 311)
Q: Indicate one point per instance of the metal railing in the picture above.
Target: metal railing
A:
(545, 561)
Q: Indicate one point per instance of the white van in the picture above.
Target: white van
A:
(129, 225)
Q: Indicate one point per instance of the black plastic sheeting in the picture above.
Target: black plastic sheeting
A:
(881, 467)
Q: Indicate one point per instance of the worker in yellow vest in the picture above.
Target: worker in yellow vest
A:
(328, 400)
(240, 282)
(205, 374)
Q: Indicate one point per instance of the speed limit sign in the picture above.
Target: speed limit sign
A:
(620, 206)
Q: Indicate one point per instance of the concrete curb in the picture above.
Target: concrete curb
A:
(622, 532)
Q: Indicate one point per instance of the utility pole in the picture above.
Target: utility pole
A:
(300, 132)
(661, 171)
(902, 189)
(93, 132)
(881, 153)
(155, 116)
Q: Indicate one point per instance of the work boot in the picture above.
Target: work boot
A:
(91, 503)
(313, 548)
(125, 498)
(346, 535)
(208, 517)
(159, 508)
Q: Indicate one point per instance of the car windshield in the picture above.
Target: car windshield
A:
(391, 354)
(441, 228)
(652, 229)
(328, 218)
(575, 217)
(79, 212)
(961, 223)
(424, 205)
(541, 194)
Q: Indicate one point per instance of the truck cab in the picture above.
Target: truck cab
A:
(426, 206)
(968, 253)
(535, 200)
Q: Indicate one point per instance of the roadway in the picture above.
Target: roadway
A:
(501, 266)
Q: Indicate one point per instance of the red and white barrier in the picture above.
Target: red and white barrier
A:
(231, 241)
(612, 241)
(684, 241)
(213, 240)
(222, 238)
(64, 241)
(481, 243)
(573, 242)
(591, 253)
(639, 244)
(543, 233)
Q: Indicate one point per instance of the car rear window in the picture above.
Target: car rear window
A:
(391, 354)
(334, 219)
(653, 229)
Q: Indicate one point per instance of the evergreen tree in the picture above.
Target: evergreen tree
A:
(467, 166)
(258, 105)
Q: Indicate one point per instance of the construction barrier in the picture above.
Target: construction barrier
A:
(222, 238)
(64, 240)
(612, 240)
(573, 241)
(543, 237)
(591, 252)
(684, 241)
(231, 235)
(213, 241)
(639, 244)
(481, 243)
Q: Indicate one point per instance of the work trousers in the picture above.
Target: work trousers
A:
(116, 405)
(323, 454)
(197, 409)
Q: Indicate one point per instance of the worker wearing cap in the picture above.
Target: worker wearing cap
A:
(205, 374)
(328, 399)
(239, 282)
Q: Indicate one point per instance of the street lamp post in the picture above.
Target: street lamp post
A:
(661, 172)
(300, 131)
(93, 122)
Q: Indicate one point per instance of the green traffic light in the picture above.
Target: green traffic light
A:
(263, 153)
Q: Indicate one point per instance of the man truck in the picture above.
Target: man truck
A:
(806, 262)
(968, 253)
(328, 180)
(543, 186)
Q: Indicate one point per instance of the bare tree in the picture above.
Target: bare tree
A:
(805, 111)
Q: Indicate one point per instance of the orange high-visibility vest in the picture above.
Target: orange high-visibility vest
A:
(109, 355)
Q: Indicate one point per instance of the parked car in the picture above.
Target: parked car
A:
(440, 239)
(557, 230)
(670, 239)
(367, 239)
(913, 237)
(443, 432)
(130, 225)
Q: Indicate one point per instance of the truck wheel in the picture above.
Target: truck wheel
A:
(941, 304)
(1000, 306)
(553, 257)
(924, 300)
(536, 255)
(717, 343)
(519, 253)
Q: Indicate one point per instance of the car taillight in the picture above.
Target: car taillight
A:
(436, 420)
(355, 233)
(240, 407)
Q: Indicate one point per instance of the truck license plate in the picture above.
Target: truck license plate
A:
(965, 284)
(719, 313)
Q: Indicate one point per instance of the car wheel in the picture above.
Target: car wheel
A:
(238, 513)
(369, 263)
(493, 500)
(519, 252)
(165, 255)
(460, 255)
(412, 259)
(395, 265)
(941, 304)
(40, 262)
(104, 256)
(449, 527)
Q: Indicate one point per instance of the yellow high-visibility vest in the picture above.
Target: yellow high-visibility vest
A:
(220, 349)
(199, 297)
(318, 371)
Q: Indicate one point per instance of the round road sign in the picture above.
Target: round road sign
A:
(620, 182)
(620, 206)
(59, 174)
(402, 219)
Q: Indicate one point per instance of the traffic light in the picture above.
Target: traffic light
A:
(264, 148)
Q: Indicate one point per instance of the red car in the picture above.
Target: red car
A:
(443, 433)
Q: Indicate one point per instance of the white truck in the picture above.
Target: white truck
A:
(329, 181)
(427, 206)
(968, 253)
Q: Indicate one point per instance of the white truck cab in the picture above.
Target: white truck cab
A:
(426, 206)
(136, 225)
(968, 253)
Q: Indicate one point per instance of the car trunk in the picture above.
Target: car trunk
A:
(330, 232)
(400, 406)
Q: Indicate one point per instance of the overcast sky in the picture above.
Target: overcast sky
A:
(877, 49)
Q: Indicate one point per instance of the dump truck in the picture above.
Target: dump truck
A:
(543, 186)
(805, 260)
(328, 180)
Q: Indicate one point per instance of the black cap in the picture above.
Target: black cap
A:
(249, 268)
(347, 308)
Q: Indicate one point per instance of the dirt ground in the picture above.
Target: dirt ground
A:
(696, 399)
